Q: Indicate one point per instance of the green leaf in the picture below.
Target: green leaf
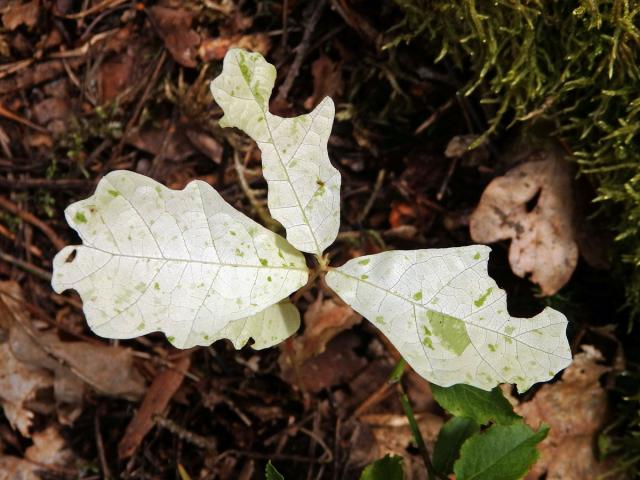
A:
(303, 186)
(182, 262)
(502, 452)
(271, 473)
(479, 405)
(388, 467)
(449, 320)
(450, 439)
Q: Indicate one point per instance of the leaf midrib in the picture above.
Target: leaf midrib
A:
(284, 167)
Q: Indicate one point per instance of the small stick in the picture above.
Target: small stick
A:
(434, 116)
(26, 266)
(106, 473)
(445, 183)
(373, 196)
(11, 207)
(301, 50)
(206, 443)
(255, 203)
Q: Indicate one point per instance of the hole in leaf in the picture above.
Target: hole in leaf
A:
(71, 257)
(533, 201)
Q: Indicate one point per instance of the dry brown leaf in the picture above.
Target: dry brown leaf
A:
(17, 14)
(576, 409)
(543, 236)
(336, 365)
(48, 450)
(163, 388)
(323, 320)
(327, 81)
(216, 48)
(31, 360)
(174, 27)
(19, 385)
(176, 147)
(389, 433)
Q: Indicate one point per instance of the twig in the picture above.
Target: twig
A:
(28, 217)
(26, 266)
(106, 473)
(445, 183)
(373, 196)
(434, 116)
(301, 49)
(269, 456)
(53, 184)
(205, 443)
(4, 112)
(92, 10)
(267, 221)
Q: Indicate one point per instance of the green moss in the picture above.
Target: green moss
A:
(573, 64)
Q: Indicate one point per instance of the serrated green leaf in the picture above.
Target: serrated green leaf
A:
(502, 452)
(449, 319)
(303, 186)
(471, 402)
(451, 437)
(271, 473)
(388, 467)
(182, 262)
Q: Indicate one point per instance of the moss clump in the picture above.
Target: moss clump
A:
(573, 62)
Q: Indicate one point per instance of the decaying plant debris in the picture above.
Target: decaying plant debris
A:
(92, 87)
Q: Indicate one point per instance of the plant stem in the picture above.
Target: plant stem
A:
(396, 377)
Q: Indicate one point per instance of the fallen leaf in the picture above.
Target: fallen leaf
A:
(32, 360)
(206, 144)
(323, 320)
(114, 76)
(176, 147)
(19, 385)
(174, 27)
(337, 364)
(576, 409)
(532, 205)
(216, 48)
(51, 109)
(17, 14)
(327, 81)
(389, 433)
(164, 386)
(48, 450)
(458, 147)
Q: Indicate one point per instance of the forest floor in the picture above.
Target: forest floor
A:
(90, 87)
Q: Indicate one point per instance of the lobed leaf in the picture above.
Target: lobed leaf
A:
(449, 319)
(304, 188)
(182, 262)
(503, 452)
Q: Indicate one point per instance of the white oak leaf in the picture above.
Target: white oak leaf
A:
(182, 262)
(449, 319)
(303, 186)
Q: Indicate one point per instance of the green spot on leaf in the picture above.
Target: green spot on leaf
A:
(364, 261)
(482, 298)
(113, 193)
(476, 256)
(450, 330)
(264, 262)
(80, 217)
(417, 296)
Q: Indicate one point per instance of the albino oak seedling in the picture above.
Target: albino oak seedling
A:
(190, 265)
